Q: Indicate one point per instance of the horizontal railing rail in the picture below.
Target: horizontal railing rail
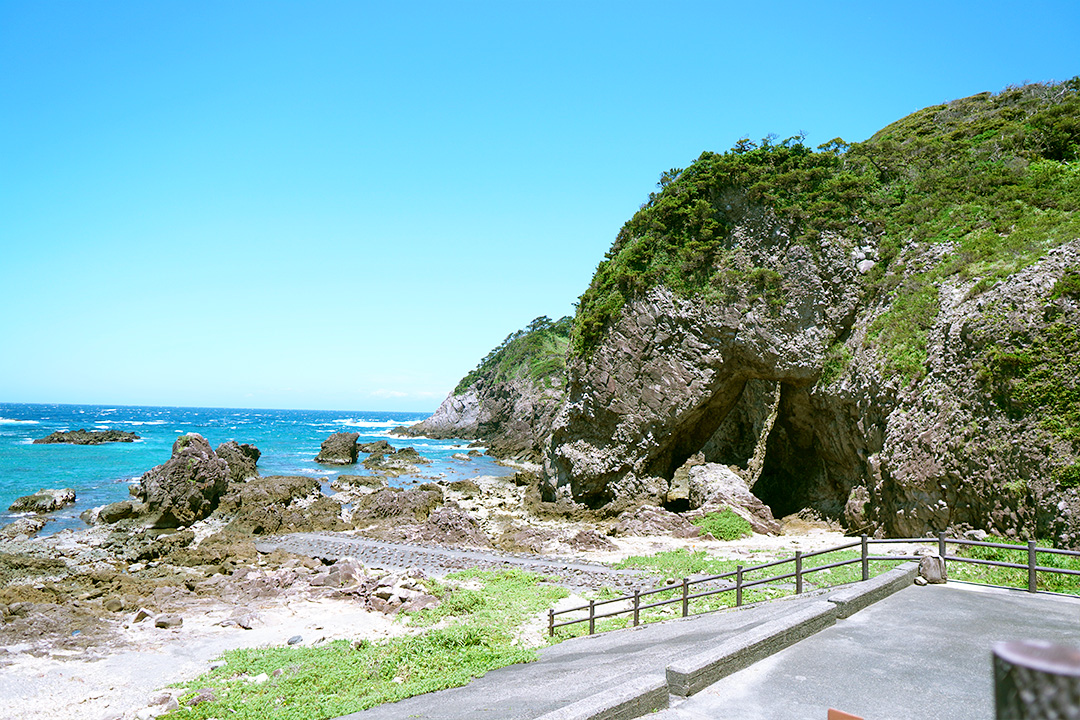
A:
(631, 604)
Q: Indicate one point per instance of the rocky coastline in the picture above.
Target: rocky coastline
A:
(87, 437)
(179, 564)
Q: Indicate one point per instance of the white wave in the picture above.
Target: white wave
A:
(140, 422)
(374, 423)
(13, 421)
(314, 471)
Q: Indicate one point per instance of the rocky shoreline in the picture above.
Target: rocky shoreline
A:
(201, 557)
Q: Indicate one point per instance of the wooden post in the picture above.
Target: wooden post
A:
(798, 572)
(685, 597)
(865, 558)
(592, 616)
(738, 586)
(941, 546)
(637, 605)
(551, 622)
(1033, 579)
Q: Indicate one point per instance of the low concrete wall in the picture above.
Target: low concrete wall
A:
(626, 700)
(688, 676)
(853, 599)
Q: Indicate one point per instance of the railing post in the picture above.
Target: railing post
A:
(685, 597)
(738, 586)
(592, 617)
(798, 572)
(1033, 579)
(637, 605)
(941, 546)
(865, 558)
(551, 622)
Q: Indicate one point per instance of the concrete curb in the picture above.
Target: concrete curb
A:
(627, 700)
(686, 677)
(863, 594)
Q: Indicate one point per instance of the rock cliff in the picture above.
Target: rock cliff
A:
(901, 363)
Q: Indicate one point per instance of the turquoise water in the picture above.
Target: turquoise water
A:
(100, 474)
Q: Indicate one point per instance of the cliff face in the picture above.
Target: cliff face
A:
(886, 333)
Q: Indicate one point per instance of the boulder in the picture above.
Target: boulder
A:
(716, 485)
(44, 501)
(392, 503)
(87, 437)
(590, 540)
(338, 449)
(267, 505)
(450, 525)
(242, 459)
(651, 520)
(187, 487)
(115, 512)
(28, 526)
(932, 569)
(379, 446)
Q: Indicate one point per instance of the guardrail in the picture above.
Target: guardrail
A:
(738, 584)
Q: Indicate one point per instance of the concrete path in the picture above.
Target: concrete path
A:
(923, 652)
(917, 652)
(577, 669)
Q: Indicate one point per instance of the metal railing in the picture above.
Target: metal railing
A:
(734, 581)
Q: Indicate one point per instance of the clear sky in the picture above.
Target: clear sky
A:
(345, 205)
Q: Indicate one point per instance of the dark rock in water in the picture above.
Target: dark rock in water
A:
(116, 511)
(188, 487)
(379, 446)
(343, 482)
(241, 458)
(44, 501)
(87, 437)
(399, 462)
(338, 449)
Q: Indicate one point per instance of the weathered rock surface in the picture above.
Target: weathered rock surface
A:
(28, 526)
(277, 504)
(187, 487)
(742, 384)
(653, 520)
(338, 449)
(43, 501)
(242, 459)
(87, 437)
(392, 503)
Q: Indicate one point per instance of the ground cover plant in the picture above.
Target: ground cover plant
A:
(724, 525)
(470, 632)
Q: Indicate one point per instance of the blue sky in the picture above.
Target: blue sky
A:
(345, 205)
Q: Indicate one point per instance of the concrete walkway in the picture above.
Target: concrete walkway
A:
(916, 652)
(923, 653)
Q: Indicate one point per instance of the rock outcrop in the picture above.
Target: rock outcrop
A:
(187, 487)
(339, 449)
(87, 437)
(242, 459)
(45, 500)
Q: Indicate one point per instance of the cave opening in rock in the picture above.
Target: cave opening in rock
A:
(792, 468)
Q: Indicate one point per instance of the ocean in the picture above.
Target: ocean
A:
(101, 474)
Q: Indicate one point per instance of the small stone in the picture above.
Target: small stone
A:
(203, 695)
(259, 679)
(920, 580)
(218, 664)
(114, 604)
(296, 639)
(140, 615)
(168, 621)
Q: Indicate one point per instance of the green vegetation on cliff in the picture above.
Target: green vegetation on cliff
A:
(994, 176)
(537, 352)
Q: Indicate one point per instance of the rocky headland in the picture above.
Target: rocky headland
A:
(882, 333)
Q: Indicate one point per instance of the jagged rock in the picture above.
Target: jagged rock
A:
(399, 462)
(168, 620)
(652, 520)
(242, 459)
(450, 525)
(280, 503)
(338, 449)
(344, 482)
(187, 487)
(394, 503)
(87, 437)
(379, 446)
(527, 539)
(465, 488)
(44, 501)
(932, 569)
(115, 512)
(590, 540)
(29, 526)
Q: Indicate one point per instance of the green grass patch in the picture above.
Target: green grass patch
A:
(1015, 577)
(537, 352)
(309, 683)
(724, 525)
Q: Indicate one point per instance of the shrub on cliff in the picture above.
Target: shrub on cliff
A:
(537, 352)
